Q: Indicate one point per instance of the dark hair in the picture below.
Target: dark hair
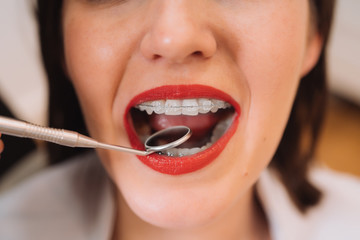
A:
(295, 150)
(64, 108)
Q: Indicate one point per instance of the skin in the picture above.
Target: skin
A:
(256, 51)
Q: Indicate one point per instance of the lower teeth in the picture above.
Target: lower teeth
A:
(218, 131)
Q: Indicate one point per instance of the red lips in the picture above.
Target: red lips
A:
(187, 164)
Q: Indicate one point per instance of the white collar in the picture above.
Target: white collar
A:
(285, 220)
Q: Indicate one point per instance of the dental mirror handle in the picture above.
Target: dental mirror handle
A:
(63, 137)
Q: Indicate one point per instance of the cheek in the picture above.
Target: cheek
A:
(271, 62)
(95, 66)
(273, 85)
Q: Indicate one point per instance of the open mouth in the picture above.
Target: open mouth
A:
(211, 115)
(207, 118)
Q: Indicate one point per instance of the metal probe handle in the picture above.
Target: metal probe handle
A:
(28, 130)
(59, 136)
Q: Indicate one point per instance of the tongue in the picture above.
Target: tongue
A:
(200, 125)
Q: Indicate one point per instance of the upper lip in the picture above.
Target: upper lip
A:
(181, 92)
(181, 165)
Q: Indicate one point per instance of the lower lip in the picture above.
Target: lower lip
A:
(187, 164)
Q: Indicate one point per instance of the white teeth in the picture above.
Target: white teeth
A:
(194, 151)
(172, 107)
(141, 107)
(149, 111)
(217, 105)
(190, 107)
(205, 104)
(159, 107)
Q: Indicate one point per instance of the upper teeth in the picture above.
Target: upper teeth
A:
(189, 107)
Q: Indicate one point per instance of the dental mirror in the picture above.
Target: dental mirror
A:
(165, 139)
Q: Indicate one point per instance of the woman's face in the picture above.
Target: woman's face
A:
(140, 66)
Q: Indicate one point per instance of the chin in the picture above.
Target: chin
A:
(179, 207)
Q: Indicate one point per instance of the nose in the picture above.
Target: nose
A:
(177, 33)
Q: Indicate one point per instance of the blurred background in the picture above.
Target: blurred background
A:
(23, 91)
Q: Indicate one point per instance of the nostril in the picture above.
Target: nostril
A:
(197, 53)
(156, 56)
